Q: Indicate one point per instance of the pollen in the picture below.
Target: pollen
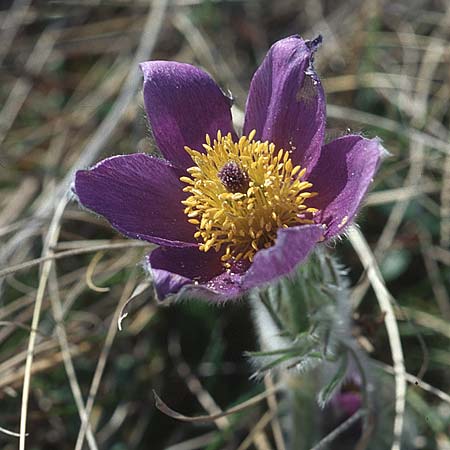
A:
(241, 193)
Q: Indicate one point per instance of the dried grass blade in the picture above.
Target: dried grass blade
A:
(385, 301)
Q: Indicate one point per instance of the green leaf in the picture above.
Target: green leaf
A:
(327, 392)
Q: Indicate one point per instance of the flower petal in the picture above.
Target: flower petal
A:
(286, 102)
(341, 177)
(347, 403)
(189, 273)
(292, 247)
(183, 104)
(140, 196)
(182, 273)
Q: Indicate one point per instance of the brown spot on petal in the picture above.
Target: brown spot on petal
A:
(307, 91)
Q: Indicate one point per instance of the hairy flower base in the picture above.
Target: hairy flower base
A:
(242, 193)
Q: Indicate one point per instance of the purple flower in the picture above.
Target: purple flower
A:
(233, 213)
(348, 399)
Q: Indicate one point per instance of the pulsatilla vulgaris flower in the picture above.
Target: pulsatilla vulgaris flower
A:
(231, 213)
(348, 399)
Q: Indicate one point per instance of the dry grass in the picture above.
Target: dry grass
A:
(70, 94)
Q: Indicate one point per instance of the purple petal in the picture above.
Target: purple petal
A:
(183, 104)
(190, 273)
(140, 196)
(347, 403)
(341, 177)
(286, 102)
(292, 247)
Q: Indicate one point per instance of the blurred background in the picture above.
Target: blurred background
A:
(70, 94)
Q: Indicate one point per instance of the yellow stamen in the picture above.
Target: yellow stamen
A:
(241, 193)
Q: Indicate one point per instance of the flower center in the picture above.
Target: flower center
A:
(233, 177)
(241, 193)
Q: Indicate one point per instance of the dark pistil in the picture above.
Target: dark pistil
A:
(233, 177)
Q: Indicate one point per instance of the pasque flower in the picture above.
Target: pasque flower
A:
(348, 399)
(230, 213)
